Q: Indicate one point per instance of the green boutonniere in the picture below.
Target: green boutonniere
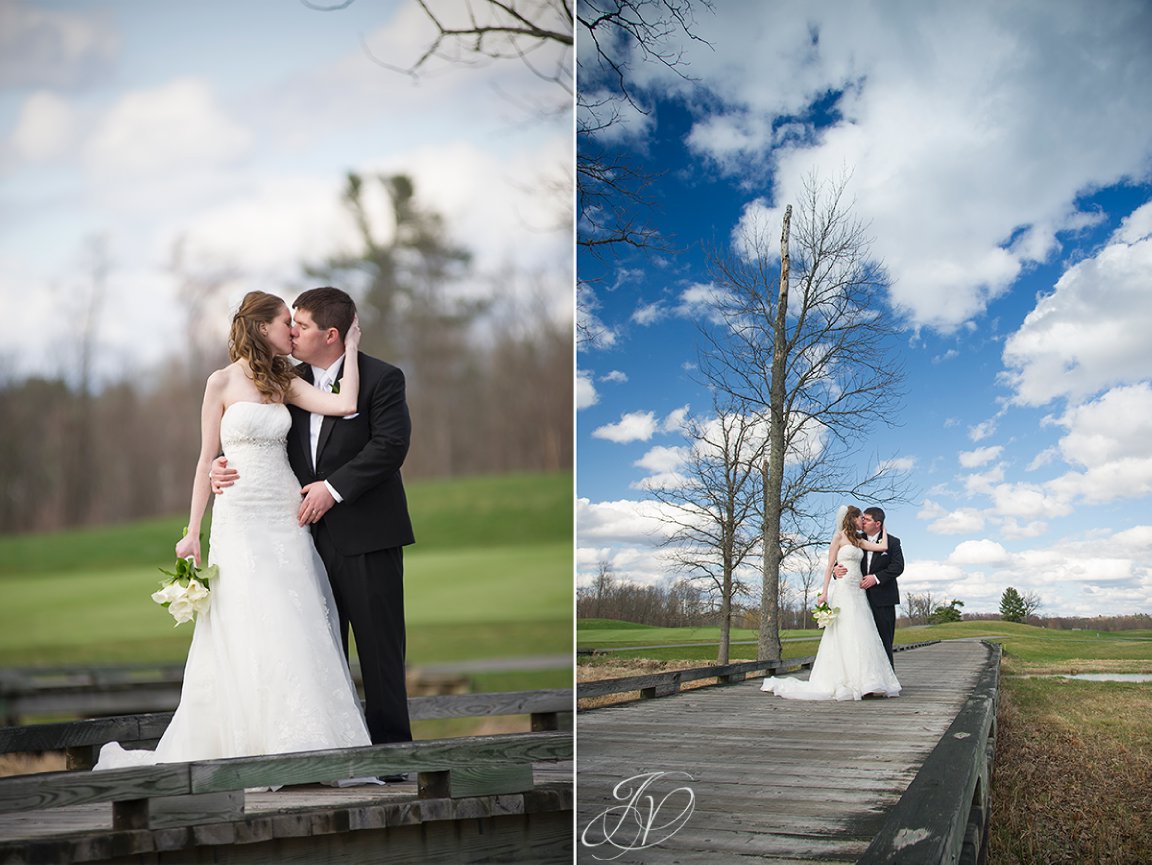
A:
(336, 386)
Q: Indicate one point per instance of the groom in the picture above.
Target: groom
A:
(353, 497)
(880, 572)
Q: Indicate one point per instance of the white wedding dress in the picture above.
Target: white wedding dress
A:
(266, 672)
(851, 661)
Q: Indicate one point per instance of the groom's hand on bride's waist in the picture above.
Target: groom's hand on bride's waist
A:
(220, 476)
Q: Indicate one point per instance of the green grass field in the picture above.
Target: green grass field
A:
(490, 576)
(1027, 649)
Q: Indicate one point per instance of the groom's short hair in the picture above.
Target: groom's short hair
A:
(329, 307)
(876, 513)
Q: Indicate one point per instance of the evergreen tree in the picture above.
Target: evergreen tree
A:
(1012, 606)
(949, 613)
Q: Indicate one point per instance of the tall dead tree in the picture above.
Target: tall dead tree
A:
(806, 344)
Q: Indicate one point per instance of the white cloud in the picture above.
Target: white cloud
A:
(620, 523)
(953, 152)
(897, 464)
(595, 333)
(982, 552)
(615, 376)
(1108, 438)
(586, 395)
(1029, 501)
(632, 426)
(979, 432)
(662, 459)
(981, 456)
(1091, 332)
(45, 128)
(674, 421)
(42, 47)
(959, 522)
(175, 127)
(1014, 530)
(1136, 226)
(650, 313)
(984, 482)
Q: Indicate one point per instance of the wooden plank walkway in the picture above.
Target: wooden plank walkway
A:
(303, 799)
(752, 777)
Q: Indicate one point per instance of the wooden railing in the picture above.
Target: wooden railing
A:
(474, 777)
(549, 710)
(668, 683)
(121, 689)
(943, 815)
(182, 794)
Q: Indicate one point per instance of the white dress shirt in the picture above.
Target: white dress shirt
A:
(867, 553)
(323, 379)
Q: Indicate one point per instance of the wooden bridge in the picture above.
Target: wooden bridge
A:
(505, 798)
(732, 774)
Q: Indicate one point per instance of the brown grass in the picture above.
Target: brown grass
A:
(26, 764)
(1073, 774)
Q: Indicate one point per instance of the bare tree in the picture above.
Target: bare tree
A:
(610, 190)
(713, 503)
(1032, 604)
(808, 349)
(612, 199)
(920, 606)
(79, 458)
(808, 564)
(603, 585)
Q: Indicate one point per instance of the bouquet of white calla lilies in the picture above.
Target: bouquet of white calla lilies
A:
(187, 591)
(824, 614)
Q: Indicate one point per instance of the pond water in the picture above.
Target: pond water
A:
(1097, 677)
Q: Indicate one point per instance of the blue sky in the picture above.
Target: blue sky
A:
(1002, 156)
(232, 125)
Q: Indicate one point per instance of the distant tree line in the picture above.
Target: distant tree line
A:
(489, 366)
(695, 603)
(683, 603)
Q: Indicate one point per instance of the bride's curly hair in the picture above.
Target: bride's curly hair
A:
(848, 525)
(271, 373)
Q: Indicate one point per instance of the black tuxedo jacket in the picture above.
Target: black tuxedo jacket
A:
(361, 457)
(887, 566)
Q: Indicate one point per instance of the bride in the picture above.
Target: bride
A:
(851, 661)
(265, 672)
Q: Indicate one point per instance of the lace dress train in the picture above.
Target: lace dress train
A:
(851, 661)
(266, 672)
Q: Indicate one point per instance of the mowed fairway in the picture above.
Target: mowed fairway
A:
(490, 576)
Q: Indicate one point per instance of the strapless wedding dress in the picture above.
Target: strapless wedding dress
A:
(266, 672)
(851, 661)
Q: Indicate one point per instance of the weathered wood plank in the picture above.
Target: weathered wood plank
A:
(313, 823)
(148, 727)
(772, 779)
(424, 756)
(56, 789)
(489, 780)
(162, 812)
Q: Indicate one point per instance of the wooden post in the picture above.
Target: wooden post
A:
(163, 812)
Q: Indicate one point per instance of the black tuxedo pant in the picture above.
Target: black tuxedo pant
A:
(885, 618)
(369, 592)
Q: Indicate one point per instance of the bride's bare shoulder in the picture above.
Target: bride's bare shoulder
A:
(231, 383)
